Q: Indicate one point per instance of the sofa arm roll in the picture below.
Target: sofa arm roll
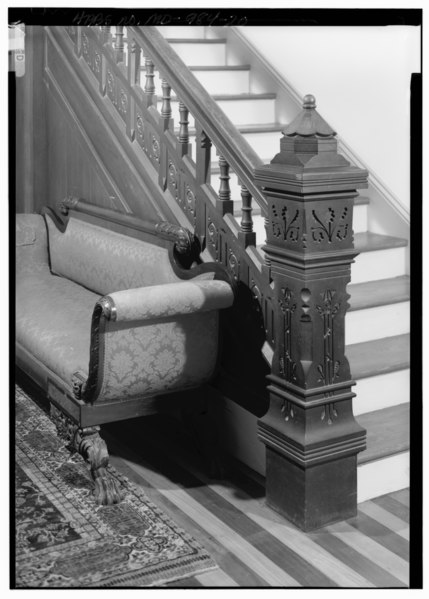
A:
(167, 300)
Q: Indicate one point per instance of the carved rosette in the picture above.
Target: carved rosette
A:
(155, 149)
(190, 204)
(110, 86)
(233, 265)
(213, 238)
(97, 63)
(140, 130)
(123, 102)
(85, 49)
(173, 180)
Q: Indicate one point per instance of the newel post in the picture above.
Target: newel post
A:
(311, 437)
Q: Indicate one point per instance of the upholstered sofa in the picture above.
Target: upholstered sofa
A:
(112, 315)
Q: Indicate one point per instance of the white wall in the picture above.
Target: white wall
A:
(360, 77)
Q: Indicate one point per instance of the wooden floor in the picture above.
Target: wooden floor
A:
(252, 545)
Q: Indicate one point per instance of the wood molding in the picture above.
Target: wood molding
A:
(117, 155)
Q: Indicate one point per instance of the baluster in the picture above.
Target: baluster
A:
(225, 203)
(119, 44)
(203, 156)
(246, 211)
(134, 63)
(184, 122)
(224, 189)
(246, 234)
(166, 99)
(149, 88)
(105, 34)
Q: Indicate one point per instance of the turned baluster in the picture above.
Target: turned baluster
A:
(105, 34)
(225, 202)
(119, 44)
(246, 234)
(203, 156)
(134, 63)
(149, 88)
(224, 189)
(184, 122)
(166, 99)
(246, 211)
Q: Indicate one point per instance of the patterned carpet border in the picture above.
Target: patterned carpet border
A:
(63, 540)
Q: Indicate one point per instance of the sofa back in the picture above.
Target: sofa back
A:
(105, 261)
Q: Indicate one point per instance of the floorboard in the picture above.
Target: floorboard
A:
(252, 545)
(395, 507)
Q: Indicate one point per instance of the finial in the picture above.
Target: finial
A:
(309, 101)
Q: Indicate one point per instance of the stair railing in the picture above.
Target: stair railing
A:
(306, 195)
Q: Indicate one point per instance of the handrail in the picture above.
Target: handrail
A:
(223, 133)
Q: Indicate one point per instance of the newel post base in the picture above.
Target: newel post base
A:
(329, 490)
(311, 456)
(311, 437)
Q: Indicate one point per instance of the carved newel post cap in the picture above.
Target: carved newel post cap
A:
(308, 153)
(309, 123)
(309, 101)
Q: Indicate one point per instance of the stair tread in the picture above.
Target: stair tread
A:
(387, 432)
(379, 293)
(379, 356)
(223, 67)
(253, 128)
(369, 242)
(227, 67)
(260, 127)
(243, 96)
(195, 40)
(361, 200)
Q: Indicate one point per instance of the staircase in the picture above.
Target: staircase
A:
(377, 324)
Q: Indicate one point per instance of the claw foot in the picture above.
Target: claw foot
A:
(107, 490)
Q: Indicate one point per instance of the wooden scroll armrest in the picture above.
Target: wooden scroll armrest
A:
(167, 300)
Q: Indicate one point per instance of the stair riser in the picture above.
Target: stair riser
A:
(201, 54)
(378, 322)
(265, 144)
(224, 82)
(381, 391)
(381, 264)
(239, 438)
(383, 476)
(239, 112)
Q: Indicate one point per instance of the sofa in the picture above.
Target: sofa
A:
(113, 317)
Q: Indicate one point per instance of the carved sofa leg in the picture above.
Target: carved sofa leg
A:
(93, 449)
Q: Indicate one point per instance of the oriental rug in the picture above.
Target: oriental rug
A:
(64, 540)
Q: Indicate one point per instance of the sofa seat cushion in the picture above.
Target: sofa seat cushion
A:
(53, 322)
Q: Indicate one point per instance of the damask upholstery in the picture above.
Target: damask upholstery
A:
(116, 261)
(171, 299)
(53, 322)
(160, 333)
